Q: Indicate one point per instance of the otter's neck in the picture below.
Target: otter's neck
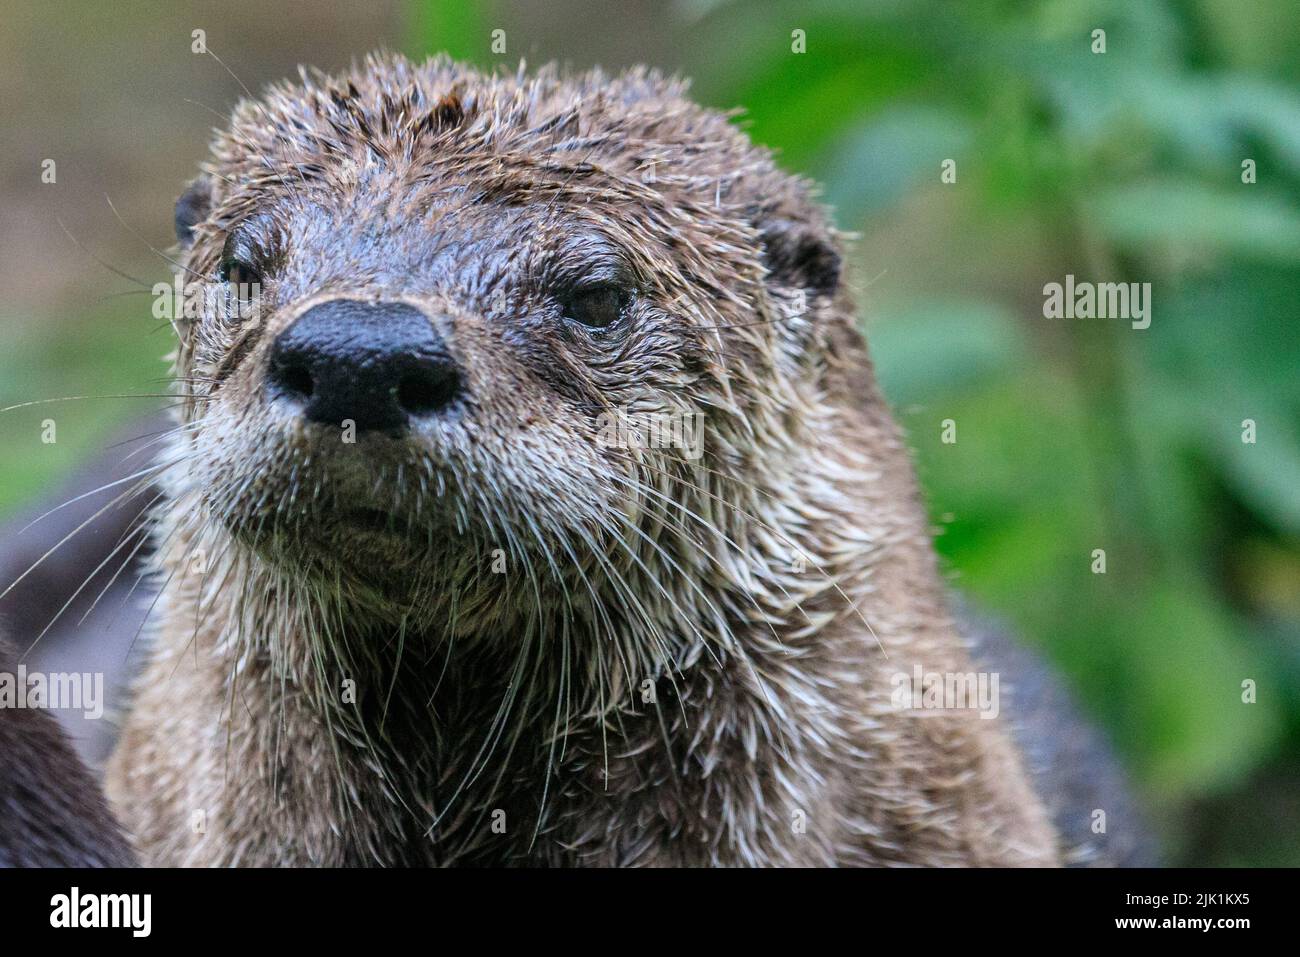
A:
(771, 740)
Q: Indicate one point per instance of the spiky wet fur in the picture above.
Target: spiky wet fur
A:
(685, 661)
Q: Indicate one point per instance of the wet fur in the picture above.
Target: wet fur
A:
(52, 810)
(766, 592)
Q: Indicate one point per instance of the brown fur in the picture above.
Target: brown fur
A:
(52, 811)
(765, 592)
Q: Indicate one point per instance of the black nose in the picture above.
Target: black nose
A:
(377, 363)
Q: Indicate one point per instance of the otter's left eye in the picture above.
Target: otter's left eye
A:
(597, 306)
(244, 278)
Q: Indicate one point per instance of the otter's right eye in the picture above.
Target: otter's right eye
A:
(245, 280)
(596, 307)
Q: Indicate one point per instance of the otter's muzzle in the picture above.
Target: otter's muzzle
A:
(379, 364)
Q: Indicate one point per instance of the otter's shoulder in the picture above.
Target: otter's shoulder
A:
(52, 812)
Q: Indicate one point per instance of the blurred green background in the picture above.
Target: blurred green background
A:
(1072, 435)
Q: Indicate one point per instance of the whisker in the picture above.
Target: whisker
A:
(68, 537)
(74, 398)
(150, 246)
(146, 287)
(85, 495)
(761, 524)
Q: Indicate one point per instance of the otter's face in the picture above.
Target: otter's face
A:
(468, 337)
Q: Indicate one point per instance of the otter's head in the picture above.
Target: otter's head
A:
(500, 335)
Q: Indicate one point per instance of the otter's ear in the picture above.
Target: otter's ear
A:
(192, 208)
(800, 256)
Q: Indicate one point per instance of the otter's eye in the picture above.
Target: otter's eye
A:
(245, 280)
(596, 306)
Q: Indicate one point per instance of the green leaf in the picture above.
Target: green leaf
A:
(929, 349)
(1192, 216)
(452, 27)
(874, 166)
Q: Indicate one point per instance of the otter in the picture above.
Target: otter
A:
(441, 583)
(52, 810)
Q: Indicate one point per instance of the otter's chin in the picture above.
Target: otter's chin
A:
(361, 546)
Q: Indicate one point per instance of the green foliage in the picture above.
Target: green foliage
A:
(1123, 166)
(448, 26)
(81, 381)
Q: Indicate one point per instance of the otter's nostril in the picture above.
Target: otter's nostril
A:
(427, 390)
(295, 381)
